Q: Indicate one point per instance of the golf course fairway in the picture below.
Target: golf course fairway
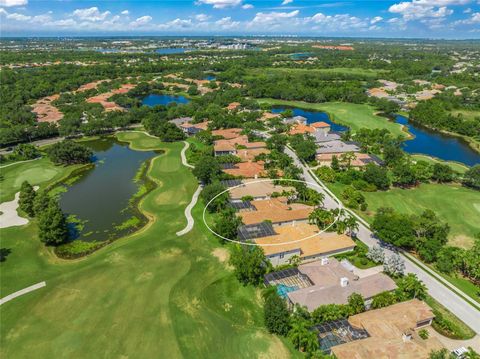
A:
(149, 295)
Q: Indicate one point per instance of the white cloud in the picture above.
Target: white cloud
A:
(141, 21)
(220, 4)
(473, 19)
(3, 11)
(266, 18)
(91, 14)
(10, 3)
(247, 6)
(18, 17)
(202, 17)
(376, 19)
(338, 22)
(419, 9)
(125, 12)
(286, 2)
(227, 23)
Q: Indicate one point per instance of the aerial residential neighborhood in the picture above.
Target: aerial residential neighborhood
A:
(240, 179)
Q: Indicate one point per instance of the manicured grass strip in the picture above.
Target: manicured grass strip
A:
(355, 116)
(173, 295)
(458, 206)
(456, 166)
(448, 324)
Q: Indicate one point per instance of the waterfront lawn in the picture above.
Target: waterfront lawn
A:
(174, 295)
(38, 173)
(355, 116)
(457, 167)
(458, 206)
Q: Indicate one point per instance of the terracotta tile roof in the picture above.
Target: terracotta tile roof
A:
(268, 116)
(227, 133)
(233, 143)
(249, 154)
(301, 129)
(323, 243)
(233, 105)
(247, 169)
(45, 111)
(386, 327)
(276, 210)
(201, 125)
(320, 124)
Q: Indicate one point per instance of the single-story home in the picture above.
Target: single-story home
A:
(392, 333)
(337, 146)
(247, 169)
(287, 242)
(258, 190)
(193, 128)
(228, 133)
(360, 159)
(333, 284)
(276, 210)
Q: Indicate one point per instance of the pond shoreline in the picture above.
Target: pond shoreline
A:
(78, 248)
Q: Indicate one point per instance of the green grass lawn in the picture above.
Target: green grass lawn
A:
(38, 173)
(458, 206)
(356, 116)
(150, 295)
(457, 167)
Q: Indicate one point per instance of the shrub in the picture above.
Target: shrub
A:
(78, 248)
(423, 333)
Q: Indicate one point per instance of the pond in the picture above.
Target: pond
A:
(437, 144)
(172, 50)
(300, 56)
(311, 116)
(210, 78)
(100, 198)
(154, 99)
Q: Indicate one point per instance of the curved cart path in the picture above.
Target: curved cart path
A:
(188, 213)
(184, 158)
(22, 292)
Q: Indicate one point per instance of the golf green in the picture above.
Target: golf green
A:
(152, 294)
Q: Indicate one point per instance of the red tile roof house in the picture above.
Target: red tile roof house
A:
(247, 170)
(230, 146)
(227, 133)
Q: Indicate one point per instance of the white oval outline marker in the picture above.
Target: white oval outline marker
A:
(269, 244)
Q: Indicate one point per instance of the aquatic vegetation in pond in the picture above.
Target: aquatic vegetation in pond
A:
(101, 198)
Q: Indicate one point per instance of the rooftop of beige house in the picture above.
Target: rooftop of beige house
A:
(228, 133)
(318, 244)
(254, 188)
(327, 288)
(386, 327)
(249, 154)
(276, 210)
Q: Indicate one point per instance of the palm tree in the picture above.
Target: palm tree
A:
(412, 287)
(317, 198)
(297, 333)
(351, 224)
(321, 218)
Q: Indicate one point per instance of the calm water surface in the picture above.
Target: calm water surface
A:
(311, 116)
(171, 50)
(101, 197)
(436, 144)
(153, 100)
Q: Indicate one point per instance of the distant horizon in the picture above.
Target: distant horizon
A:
(396, 19)
(227, 36)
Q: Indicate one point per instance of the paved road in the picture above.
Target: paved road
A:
(446, 296)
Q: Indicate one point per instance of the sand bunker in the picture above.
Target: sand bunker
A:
(8, 213)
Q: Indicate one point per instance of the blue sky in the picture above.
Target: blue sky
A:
(360, 18)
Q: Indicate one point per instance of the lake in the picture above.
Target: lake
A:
(101, 196)
(311, 116)
(171, 50)
(210, 78)
(437, 144)
(153, 100)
